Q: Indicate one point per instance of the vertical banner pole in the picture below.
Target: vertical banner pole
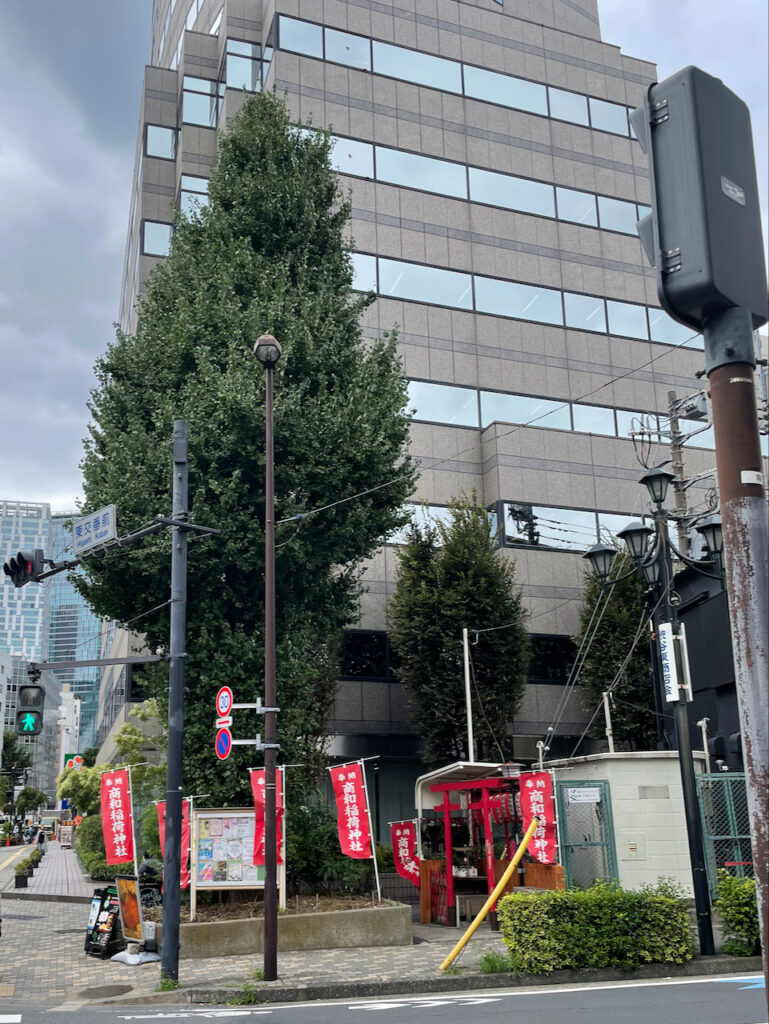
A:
(371, 832)
(133, 821)
(282, 770)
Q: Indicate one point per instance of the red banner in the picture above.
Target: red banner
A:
(351, 810)
(184, 879)
(403, 836)
(116, 817)
(537, 799)
(257, 788)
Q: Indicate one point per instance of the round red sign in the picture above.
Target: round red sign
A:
(223, 702)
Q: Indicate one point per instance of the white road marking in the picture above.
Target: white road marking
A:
(10, 1018)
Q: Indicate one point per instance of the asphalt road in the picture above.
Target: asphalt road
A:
(722, 1000)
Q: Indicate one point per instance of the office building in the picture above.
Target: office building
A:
(495, 189)
(49, 621)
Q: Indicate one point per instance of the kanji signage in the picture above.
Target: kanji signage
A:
(351, 810)
(257, 787)
(536, 795)
(117, 817)
(184, 876)
(94, 529)
(403, 838)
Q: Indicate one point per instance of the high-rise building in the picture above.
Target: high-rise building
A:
(49, 621)
(495, 189)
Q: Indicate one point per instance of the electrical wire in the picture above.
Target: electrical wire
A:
(300, 516)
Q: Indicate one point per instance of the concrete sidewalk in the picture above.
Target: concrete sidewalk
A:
(43, 959)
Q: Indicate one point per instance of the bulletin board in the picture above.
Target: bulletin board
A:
(223, 849)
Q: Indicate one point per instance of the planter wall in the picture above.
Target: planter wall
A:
(387, 925)
(20, 881)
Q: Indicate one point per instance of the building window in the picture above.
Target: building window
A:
(193, 194)
(365, 654)
(498, 407)
(243, 67)
(552, 657)
(201, 101)
(566, 529)
(160, 142)
(156, 238)
(443, 403)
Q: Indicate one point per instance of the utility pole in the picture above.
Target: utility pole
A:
(169, 967)
(703, 237)
(677, 469)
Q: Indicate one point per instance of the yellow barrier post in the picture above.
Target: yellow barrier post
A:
(493, 897)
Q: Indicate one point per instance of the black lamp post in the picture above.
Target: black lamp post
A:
(655, 565)
(267, 350)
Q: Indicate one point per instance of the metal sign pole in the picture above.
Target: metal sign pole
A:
(370, 829)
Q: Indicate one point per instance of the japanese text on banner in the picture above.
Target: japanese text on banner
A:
(537, 799)
(351, 810)
(184, 876)
(257, 788)
(117, 817)
(403, 838)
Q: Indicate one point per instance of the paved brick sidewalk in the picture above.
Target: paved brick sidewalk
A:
(43, 959)
(58, 876)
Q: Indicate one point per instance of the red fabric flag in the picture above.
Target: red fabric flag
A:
(403, 836)
(257, 788)
(351, 810)
(537, 799)
(184, 876)
(117, 817)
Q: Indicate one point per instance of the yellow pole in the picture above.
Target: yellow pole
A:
(493, 897)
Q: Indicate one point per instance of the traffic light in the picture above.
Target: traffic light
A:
(703, 235)
(29, 710)
(25, 566)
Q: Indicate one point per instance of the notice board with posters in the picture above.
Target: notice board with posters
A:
(222, 851)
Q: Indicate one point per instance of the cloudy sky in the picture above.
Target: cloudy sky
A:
(70, 81)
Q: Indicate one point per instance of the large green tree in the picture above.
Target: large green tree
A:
(268, 254)
(609, 623)
(451, 575)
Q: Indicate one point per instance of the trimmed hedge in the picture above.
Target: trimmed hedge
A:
(604, 926)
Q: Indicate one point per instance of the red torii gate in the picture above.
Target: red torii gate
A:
(484, 805)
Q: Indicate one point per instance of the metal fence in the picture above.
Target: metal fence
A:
(726, 825)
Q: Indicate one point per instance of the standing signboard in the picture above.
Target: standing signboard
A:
(130, 907)
(65, 835)
(222, 855)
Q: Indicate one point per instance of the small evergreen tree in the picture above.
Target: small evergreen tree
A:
(633, 716)
(266, 255)
(451, 576)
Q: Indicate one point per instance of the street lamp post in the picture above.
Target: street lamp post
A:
(655, 566)
(267, 350)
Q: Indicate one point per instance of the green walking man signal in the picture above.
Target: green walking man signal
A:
(29, 710)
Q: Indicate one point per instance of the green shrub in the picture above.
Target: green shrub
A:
(384, 858)
(36, 856)
(89, 840)
(737, 904)
(101, 871)
(314, 859)
(22, 866)
(604, 926)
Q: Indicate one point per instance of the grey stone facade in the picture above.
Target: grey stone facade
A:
(552, 180)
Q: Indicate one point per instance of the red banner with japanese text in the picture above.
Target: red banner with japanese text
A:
(117, 817)
(257, 788)
(351, 810)
(536, 794)
(403, 836)
(184, 879)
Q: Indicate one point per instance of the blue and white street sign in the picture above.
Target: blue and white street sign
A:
(94, 529)
(668, 660)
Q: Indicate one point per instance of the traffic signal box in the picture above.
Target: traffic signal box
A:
(30, 703)
(26, 566)
(704, 233)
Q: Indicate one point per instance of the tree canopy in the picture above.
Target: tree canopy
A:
(451, 575)
(267, 254)
(615, 623)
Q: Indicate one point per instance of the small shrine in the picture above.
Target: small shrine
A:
(471, 817)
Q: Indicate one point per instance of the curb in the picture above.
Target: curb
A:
(698, 967)
(39, 897)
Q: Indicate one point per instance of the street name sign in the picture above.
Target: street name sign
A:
(94, 529)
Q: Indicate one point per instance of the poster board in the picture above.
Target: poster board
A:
(104, 935)
(130, 907)
(65, 835)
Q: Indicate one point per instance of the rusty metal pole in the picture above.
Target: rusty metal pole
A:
(730, 364)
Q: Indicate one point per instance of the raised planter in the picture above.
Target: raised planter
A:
(385, 925)
(20, 881)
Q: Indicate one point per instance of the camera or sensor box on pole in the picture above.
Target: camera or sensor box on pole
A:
(704, 233)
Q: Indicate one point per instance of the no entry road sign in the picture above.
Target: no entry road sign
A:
(223, 744)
